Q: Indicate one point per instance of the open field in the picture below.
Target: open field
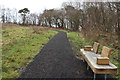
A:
(20, 45)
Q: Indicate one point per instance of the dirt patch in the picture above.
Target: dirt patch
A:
(7, 42)
(9, 25)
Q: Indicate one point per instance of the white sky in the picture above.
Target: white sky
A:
(37, 5)
(32, 5)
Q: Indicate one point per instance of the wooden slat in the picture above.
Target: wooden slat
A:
(95, 47)
(91, 59)
(105, 52)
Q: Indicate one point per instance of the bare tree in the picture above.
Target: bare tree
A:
(3, 15)
(8, 15)
(14, 15)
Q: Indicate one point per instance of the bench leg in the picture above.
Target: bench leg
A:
(105, 76)
(94, 76)
(87, 67)
(83, 60)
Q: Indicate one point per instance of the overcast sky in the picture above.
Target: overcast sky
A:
(37, 5)
(32, 5)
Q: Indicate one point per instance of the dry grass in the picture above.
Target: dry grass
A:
(4, 25)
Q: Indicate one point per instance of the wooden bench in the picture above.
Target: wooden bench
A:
(93, 48)
(91, 58)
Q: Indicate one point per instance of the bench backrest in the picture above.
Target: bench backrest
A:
(105, 52)
(95, 47)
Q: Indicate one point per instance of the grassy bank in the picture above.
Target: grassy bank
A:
(20, 45)
(0, 52)
(78, 41)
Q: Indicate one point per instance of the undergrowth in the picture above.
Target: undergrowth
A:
(78, 41)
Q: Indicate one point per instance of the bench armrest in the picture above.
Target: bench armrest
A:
(88, 48)
(103, 60)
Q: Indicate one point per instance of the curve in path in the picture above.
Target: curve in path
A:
(56, 60)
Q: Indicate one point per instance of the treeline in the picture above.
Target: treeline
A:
(8, 15)
(96, 17)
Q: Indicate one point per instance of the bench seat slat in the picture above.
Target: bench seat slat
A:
(91, 59)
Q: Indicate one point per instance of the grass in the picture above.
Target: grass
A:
(78, 41)
(20, 45)
(0, 51)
